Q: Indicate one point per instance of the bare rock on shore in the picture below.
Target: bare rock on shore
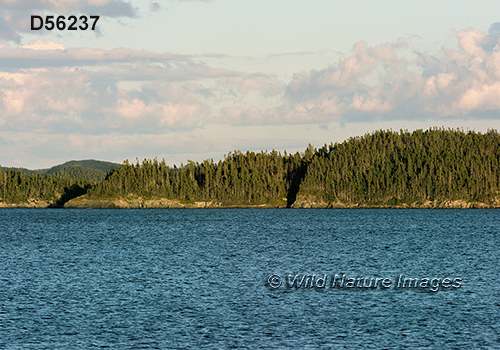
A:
(310, 201)
(84, 202)
(31, 204)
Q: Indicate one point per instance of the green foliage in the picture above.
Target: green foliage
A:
(90, 169)
(384, 167)
(249, 178)
(80, 172)
(88, 163)
(395, 168)
(16, 187)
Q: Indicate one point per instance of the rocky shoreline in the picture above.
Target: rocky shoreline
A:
(309, 201)
(30, 204)
(302, 202)
(156, 203)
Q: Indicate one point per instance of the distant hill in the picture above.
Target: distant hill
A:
(23, 170)
(81, 172)
(88, 163)
(89, 169)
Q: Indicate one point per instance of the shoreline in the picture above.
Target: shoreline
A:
(302, 202)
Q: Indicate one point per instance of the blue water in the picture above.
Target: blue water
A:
(177, 279)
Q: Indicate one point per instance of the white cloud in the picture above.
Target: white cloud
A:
(43, 45)
(385, 82)
(49, 53)
(118, 100)
(50, 88)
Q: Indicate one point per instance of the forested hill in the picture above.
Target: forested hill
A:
(433, 168)
(86, 163)
(378, 169)
(89, 169)
(392, 168)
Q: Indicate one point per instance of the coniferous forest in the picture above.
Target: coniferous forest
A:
(47, 190)
(384, 168)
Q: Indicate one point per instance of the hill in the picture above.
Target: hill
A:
(89, 169)
(88, 163)
(432, 168)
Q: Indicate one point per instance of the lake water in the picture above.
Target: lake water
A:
(179, 279)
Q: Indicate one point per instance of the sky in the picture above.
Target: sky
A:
(195, 79)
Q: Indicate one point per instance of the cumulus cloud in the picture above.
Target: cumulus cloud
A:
(61, 100)
(43, 45)
(385, 82)
(46, 88)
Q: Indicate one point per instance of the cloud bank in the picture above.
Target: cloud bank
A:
(383, 82)
(46, 87)
(120, 98)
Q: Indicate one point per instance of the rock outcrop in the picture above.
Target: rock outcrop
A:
(132, 202)
(310, 201)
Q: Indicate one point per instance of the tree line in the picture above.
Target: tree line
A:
(18, 187)
(383, 167)
(239, 178)
(404, 167)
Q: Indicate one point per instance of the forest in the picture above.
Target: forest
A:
(19, 188)
(383, 167)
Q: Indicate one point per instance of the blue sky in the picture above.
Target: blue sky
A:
(196, 79)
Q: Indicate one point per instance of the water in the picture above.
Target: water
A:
(175, 279)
